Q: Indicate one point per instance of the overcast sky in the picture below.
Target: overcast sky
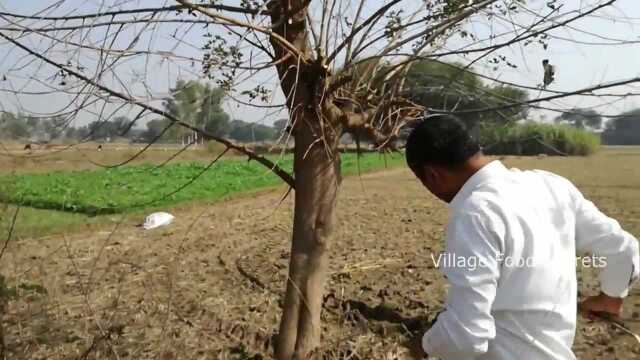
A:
(588, 53)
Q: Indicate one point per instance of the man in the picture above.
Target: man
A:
(512, 243)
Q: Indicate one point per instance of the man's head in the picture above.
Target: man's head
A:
(443, 155)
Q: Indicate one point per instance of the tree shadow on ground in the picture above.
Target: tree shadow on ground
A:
(384, 313)
(389, 322)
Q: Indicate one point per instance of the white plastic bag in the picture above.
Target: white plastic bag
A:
(157, 219)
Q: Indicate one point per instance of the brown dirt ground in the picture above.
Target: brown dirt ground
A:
(209, 285)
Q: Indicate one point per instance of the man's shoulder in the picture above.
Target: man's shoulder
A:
(519, 187)
(522, 181)
(547, 174)
(485, 200)
(482, 211)
(496, 193)
(554, 181)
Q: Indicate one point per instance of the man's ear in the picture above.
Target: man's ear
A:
(420, 172)
(430, 173)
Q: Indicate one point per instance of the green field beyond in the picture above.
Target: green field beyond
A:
(129, 188)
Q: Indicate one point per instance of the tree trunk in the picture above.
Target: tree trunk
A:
(317, 179)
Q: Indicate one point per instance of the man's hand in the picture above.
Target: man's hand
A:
(601, 306)
(415, 348)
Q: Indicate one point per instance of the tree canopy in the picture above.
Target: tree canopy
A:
(251, 132)
(199, 104)
(11, 126)
(581, 118)
(453, 87)
(624, 129)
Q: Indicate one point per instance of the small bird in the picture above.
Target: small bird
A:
(549, 73)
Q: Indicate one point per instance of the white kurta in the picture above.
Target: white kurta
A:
(510, 259)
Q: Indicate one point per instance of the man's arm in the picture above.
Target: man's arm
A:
(602, 236)
(464, 329)
(598, 234)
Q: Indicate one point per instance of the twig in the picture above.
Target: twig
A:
(253, 279)
(285, 176)
(617, 323)
(117, 329)
(10, 234)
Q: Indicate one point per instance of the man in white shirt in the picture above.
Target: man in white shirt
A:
(511, 249)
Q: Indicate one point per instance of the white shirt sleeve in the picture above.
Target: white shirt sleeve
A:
(466, 326)
(602, 236)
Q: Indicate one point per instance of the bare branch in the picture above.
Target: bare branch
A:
(359, 28)
(542, 99)
(153, 10)
(230, 21)
(240, 148)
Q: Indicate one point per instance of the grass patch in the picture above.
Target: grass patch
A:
(41, 222)
(536, 138)
(130, 188)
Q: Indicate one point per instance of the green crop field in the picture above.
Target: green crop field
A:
(130, 188)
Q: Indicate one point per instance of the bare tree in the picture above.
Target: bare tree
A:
(340, 68)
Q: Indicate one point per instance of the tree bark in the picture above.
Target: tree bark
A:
(317, 180)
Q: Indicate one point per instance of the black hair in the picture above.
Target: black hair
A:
(440, 140)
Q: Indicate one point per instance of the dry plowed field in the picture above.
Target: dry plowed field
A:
(209, 286)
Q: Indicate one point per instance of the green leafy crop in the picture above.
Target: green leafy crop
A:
(136, 187)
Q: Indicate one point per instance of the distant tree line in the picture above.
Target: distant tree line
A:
(44, 129)
(623, 130)
(450, 86)
(581, 118)
(433, 84)
(36, 129)
(193, 101)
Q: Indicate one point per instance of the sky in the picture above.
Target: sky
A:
(588, 53)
